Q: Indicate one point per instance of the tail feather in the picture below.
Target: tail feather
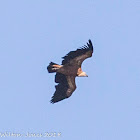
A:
(52, 67)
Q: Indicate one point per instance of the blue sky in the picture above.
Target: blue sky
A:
(105, 106)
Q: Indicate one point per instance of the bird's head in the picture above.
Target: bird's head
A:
(83, 74)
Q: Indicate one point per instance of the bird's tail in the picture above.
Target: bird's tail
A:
(53, 67)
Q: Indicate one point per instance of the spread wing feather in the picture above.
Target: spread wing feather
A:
(80, 54)
(64, 89)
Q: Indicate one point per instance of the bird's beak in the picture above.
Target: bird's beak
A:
(86, 75)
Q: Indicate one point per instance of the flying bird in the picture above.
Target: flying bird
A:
(68, 71)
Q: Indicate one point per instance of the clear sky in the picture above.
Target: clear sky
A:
(106, 105)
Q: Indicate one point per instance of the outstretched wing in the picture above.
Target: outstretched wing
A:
(64, 89)
(79, 55)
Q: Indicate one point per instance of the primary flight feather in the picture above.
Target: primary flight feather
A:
(68, 71)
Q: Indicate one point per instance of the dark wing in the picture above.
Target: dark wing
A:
(64, 89)
(79, 55)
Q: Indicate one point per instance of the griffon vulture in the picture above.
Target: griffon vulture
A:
(68, 70)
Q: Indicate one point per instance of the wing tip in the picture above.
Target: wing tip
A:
(78, 52)
(90, 44)
(52, 102)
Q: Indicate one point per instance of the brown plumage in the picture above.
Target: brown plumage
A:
(66, 73)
